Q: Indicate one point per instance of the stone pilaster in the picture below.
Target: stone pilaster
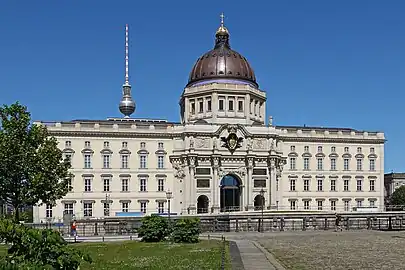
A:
(272, 192)
(249, 183)
(215, 203)
(192, 184)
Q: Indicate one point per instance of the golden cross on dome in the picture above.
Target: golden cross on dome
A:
(222, 18)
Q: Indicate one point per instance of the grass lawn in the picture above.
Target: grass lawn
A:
(137, 255)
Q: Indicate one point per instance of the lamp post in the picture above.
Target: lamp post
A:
(169, 195)
(107, 208)
(262, 199)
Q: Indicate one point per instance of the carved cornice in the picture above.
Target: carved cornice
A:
(87, 151)
(320, 155)
(124, 152)
(68, 151)
(106, 151)
(333, 155)
(293, 154)
(307, 154)
(333, 140)
(359, 156)
(161, 152)
(372, 156)
(143, 152)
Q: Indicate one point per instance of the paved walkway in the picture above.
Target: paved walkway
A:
(252, 257)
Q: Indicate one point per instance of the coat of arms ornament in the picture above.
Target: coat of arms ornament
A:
(232, 141)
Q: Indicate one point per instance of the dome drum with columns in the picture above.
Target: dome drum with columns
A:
(220, 158)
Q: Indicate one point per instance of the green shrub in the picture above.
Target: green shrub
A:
(153, 229)
(35, 248)
(186, 230)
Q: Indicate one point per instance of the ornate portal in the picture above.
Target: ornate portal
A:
(232, 141)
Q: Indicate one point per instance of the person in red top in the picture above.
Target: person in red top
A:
(73, 228)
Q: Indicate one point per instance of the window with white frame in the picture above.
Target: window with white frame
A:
(209, 105)
(106, 209)
(320, 204)
(346, 149)
(106, 184)
(161, 184)
(320, 185)
(306, 164)
(292, 184)
(359, 150)
(359, 203)
(87, 144)
(87, 161)
(106, 161)
(161, 163)
(293, 205)
(143, 145)
(68, 209)
(372, 164)
(240, 105)
(106, 144)
(320, 149)
(359, 162)
(306, 148)
(143, 207)
(142, 184)
(292, 163)
(306, 184)
(372, 203)
(68, 144)
(359, 184)
(346, 164)
(88, 209)
(333, 149)
(87, 184)
(306, 205)
(70, 184)
(320, 164)
(48, 211)
(142, 159)
(292, 148)
(345, 185)
(124, 145)
(332, 184)
(125, 207)
(372, 185)
(161, 207)
(160, 145)
(200, 106)
(346, 205)
(68, 157)
(372, 150)
(192, 109)
(124, 185)
(333, 205)
(333, 164)
(124, 161)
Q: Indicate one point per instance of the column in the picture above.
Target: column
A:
(272, 189)
(249, 183)
(215, 186)
(193, 186)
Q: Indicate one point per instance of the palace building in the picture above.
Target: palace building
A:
(222, 156)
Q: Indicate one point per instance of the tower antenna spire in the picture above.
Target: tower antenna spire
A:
(126, 55)
(222, 19)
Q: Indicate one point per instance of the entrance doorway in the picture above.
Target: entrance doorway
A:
(202, 204)
(259, 202)
(230, 189)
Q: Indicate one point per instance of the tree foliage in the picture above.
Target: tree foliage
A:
(398, 197)
(153, 229)
(32, 169)
(37, 249)
(186, 230)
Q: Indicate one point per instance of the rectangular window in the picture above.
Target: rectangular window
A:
(333, 164)
(143, 145)
(161, 184)
(142, 159)
(372, 185)
(306, 164)
(333, 205)
(359, 185)
(143, 207)
(124, 161)
(48, 211)
(359, 164)
(306, 148)
(359, 203)
(209, 105)
(125, 207)
(372, 150)
(333, 185)
(200, 106)
(230, 105)
(292, 163)
(68, 144)
(124, 145)
(292, 148)
(124, 185)
(142, 184)
(319, 149)
(333, 149)
(346, 149)
(346, 185)
(346, 164)
(160, 145)
(87, 184)
(292, 184)
(161, 164)
(106, 144)
(359, 150)
(306, 184)
(68, 157)
(320, 205)
(293, 205)
(70, 184)
(240, 105)
(106, 209)
(320, 185)
(87, 161)
(192, 108)
(372, 203)
(88, 209)
(372, 165)
(221, 105)
(346, 206)
(87, 144)
(306, 205)
(68, 209)
(106, 161)
(320, 164)
(106, 184)
(161, 207)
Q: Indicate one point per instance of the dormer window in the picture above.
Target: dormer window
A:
(68, 144)
(87, 144)
(106, 144)
(124, 145)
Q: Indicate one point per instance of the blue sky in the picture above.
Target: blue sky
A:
(322, 63)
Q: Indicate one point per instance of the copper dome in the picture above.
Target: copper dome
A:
(222, 64)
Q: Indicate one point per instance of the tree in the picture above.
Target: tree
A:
(32, 169)
(398, 197)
